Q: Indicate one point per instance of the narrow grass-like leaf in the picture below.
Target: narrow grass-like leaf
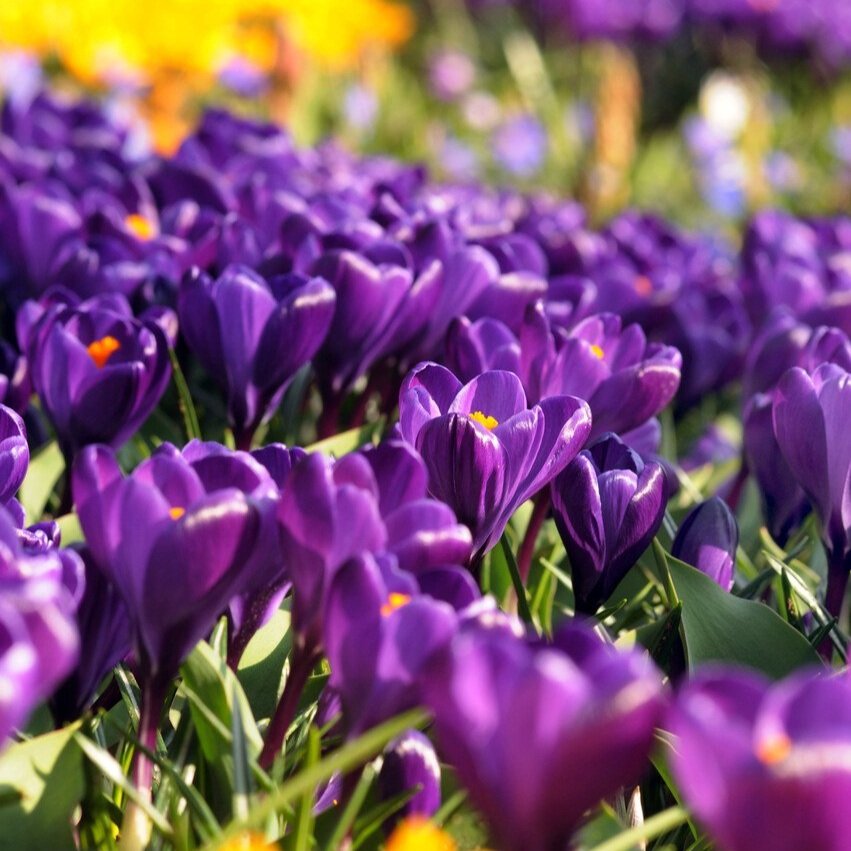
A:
(346, 758)
(184, 399)
(352, 809)
(514, 572)
(110, 768)
(348, 441)
(304, 815)
(655, 826)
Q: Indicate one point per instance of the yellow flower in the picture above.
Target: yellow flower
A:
(416, 833)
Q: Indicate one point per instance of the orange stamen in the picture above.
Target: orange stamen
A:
(643, 285)
(486, 420)
(100, 350)
(395, 600)
(176, 512)
(597, 351)
(140, 226)
(774, 749)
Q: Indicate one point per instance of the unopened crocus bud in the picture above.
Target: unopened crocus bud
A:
(608, 505)
(707, 539)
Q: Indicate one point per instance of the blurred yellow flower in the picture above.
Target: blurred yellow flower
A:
(416, 833)
(172, 50)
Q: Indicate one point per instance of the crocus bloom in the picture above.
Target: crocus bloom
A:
(104, 628)
(624, 379)
(608, 505)
(784, 504)
(485, 450)
(39, 643)
(14, 453)
(811, 416)
(707, 539)
(765, 766)
(379, 634)
(516, 718)
(179, 537)
(410, 762)
(252, 335)
(98, 371)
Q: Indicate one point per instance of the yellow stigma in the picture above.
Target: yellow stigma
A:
(395, 600)
(176, 512)
(140, 226)
(100, 350)
(598, 352)
(249, 841)
(774, 749)
(418, 834)
(486, 420)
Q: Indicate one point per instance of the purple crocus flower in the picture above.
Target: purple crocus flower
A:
(784, 503)
(15, 384)
(105, 640)
(14, 453)
(707, 539)
(179, 537)
(811, 415)
(624, 379)
(765, 766)
(252, 335)
(516, 718)
(410, 763)
(379, 634)
(608, 505)
(39, 641)
(485, 450)
(98, 371)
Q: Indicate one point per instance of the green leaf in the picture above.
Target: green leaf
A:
(654, 826)
(262, 664)
(348, 441)
(719, 627)
(112, 770)
(184, 399)
(46, 467)
(344, 759)
(516, 580)
(215, 684)
(69, 526)
(41, 782)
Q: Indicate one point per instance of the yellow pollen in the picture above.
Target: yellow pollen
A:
(140, 226)
(395, 600)
(249, 841)
(176, 512)
(418, 834)
(486, 420)
(774, 749)
(643, 285)
(597, 351)
(100, 350)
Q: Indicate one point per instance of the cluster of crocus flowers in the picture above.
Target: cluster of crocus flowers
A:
(512, 354)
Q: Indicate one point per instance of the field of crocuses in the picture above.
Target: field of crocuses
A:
(348, 504)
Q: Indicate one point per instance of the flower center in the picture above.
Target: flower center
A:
(597, 351)
(774, 748)
(418, 834)
(395, 600)
(248, 841)
(140, 226)
(176, 512)
(643, 285)
(100, 350)
(486, 420)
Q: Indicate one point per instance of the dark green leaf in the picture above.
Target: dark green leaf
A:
(719, 627)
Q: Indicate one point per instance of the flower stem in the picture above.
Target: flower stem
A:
(303, 661)
(136, 827)
(540, 508)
